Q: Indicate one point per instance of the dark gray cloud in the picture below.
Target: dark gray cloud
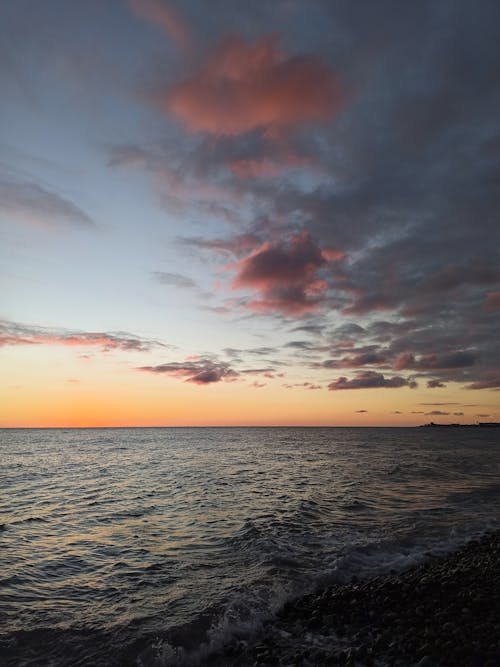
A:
(314, 329)
(370, 380)
(257, 371)
(435, 384)
(200, 371)
(300, 345)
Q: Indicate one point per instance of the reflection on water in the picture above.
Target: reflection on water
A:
(123, 539)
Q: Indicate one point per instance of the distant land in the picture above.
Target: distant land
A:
(478, 425)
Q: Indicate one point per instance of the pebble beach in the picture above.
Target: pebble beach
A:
(445, 612)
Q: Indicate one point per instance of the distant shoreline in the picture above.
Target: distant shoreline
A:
(478, 425)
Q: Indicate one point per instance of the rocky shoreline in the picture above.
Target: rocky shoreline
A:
(445, 612)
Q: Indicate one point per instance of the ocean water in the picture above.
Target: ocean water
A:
(154, 547)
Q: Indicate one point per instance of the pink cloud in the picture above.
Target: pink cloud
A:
(285, 275)
(254, 168)
(242, 87)
(16, 334)
(164, 16)
(405, 360)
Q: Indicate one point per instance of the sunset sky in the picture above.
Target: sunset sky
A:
(240, 213)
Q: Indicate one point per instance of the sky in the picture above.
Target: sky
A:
(234, 213)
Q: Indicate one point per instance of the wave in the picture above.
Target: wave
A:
(242, 616)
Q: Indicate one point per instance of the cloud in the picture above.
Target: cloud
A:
(268, 166)
(460, 359)
(285, 274)
(164, 15)
(360, 411)
(12, 333)
(301, 345)
(257, 371)
(438, 404)
(489, 381)
(129, 155)
(33, 204)
(404, 179)
(201, 371)
(237, 245)
(435, 384)
(370, 358)
(436, 412)
(242, 87)
(310, 386)
(174, 280)
(493, 301)
(453, 276)
(314, 329)
(370, 380)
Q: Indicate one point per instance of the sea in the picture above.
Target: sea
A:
(153, 547)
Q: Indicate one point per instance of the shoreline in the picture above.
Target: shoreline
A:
(443, 612)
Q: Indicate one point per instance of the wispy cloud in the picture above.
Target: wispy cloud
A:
(174, 280)
(13, 333)
(30, 203)
(489, 381)
(164, 15)
(238, 245)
